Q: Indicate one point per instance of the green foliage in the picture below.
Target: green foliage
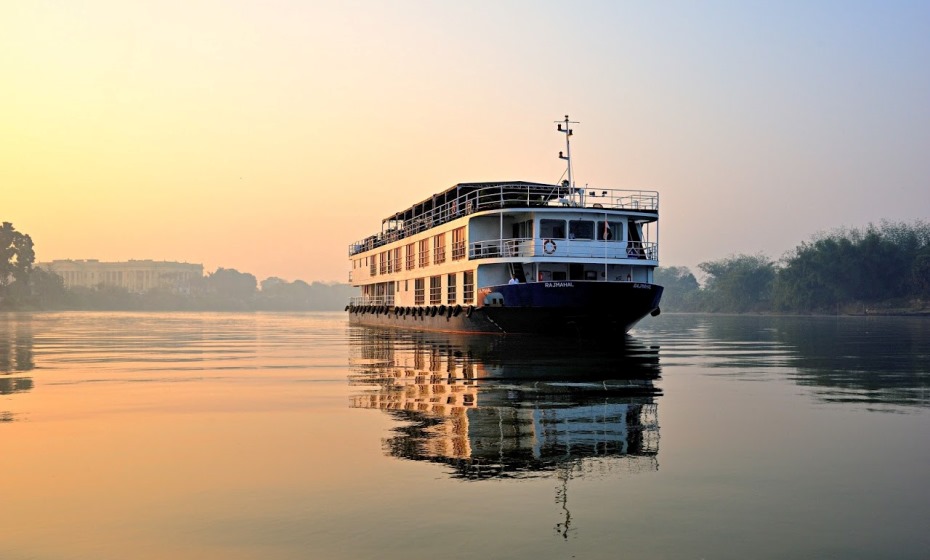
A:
(738, 283)
(682, 291)
(229, 283)
(920, 273)
(16, 259)
(854, 266)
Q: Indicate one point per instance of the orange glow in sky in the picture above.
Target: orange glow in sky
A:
(267, 136)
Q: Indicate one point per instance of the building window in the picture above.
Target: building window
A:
(424, 253)
(458, 243)
(450, 289)
(411, 253)
(435, 290)
(439, 248)
(468, 286)
(418, 291)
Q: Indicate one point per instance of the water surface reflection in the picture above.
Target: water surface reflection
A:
(16, 356)
(505, 407)
(881, 362)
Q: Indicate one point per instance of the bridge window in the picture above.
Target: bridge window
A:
(552, 229)
(612, 231)
(580, 229)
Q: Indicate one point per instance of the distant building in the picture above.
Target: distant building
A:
(135, 276)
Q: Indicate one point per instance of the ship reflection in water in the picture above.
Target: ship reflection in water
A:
(511, 407)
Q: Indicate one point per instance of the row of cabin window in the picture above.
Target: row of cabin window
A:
(390, 261)
(435, 289)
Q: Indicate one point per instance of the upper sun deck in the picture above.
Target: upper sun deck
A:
(468, 198)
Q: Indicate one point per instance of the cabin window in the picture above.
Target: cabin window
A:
(435, 290)
(424, 253)
(609, 231)
(382, 262)
(411, 255)
(418, 294)
(390, 261)
(580, 229)
(372, 270)
(398, 264)
(450, 289)
(439, 248)
(552, 229)
(458, 243)
(468, 286)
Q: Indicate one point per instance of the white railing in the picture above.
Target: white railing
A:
(562, 248)
(371, 300)
(512, 196)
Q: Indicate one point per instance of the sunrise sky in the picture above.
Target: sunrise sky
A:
(267, 136)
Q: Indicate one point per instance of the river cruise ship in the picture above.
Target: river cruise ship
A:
(513, 257)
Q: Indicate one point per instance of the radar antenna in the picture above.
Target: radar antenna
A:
(565, 128)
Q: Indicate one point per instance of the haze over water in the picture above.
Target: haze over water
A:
(296, 436)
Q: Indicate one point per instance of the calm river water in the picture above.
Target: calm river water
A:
(280, 436)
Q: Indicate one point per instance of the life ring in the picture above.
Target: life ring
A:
(549, 246)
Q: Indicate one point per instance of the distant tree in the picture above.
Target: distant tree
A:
(16, 255)
(878, 263)
(738, 284)
(682, 291)
(49, 290)
(920, 273)
(232, 284)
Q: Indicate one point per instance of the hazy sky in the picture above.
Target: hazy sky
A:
(267, 136)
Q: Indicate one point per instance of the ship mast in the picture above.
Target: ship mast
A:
(567, 155)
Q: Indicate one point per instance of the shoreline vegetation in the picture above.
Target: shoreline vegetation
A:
(876, 270)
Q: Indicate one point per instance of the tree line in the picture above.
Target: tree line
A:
(26, 287)
(879, 268)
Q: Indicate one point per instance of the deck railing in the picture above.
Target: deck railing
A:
(512, 196)
(371, 300)
(562, 248)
